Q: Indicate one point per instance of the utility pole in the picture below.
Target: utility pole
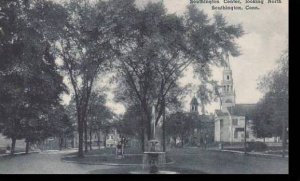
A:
(283, 138)
(221, 144)
(245, 137)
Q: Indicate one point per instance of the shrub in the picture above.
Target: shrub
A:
(256, 146)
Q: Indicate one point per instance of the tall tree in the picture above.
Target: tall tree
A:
(263, 122)
(86, 50)
(31, 82)
(160, 46)
(275, 85)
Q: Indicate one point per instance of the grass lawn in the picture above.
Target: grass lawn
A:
(276, 150)
(106, 155)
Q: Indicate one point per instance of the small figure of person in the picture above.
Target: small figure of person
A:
(8, 149)
(119, 152)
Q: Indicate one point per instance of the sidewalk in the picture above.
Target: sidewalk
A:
(259, 154)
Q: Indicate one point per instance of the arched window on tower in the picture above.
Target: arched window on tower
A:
(227, 77)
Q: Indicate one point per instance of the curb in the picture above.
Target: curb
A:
(253, 154)
(111, 164)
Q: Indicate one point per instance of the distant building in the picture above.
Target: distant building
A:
(204, 129)
(6, 142)
(100, 139)
(230, 118)
(112, 139)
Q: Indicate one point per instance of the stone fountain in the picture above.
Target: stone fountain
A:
(154, 158)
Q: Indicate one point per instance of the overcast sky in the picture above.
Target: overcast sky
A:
(265, 39)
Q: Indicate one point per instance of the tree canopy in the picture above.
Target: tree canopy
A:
(271, 115)
(159, 46)
(30, 82)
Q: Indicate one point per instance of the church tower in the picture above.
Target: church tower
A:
(228, 92)
(194, 105)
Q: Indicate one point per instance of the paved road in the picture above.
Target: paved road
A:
(192, 160)
(47, 162)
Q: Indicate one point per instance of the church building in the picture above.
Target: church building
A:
(230, 119)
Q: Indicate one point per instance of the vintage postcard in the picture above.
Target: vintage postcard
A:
(144, 87)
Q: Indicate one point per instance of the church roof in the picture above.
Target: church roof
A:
(242, 109)
(194, 101)
(206, 118)
(221, 113)
(238, 110)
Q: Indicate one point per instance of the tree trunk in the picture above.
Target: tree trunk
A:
(27, 146)
(164, 130)
(66, 143)
(105, 140)
(175, 139)
(80, 137)
(142, 133)
(182, 141)
(72, 142)
(245, 137)
(90, 138)
(85, 136)
(13, 145)
(149, 130)
(98, 137)
(60, 142)
(143, 140)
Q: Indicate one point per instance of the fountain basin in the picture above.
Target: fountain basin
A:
(159, 156)
(153, 159)
(159, 172)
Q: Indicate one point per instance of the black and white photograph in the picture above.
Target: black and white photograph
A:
(144, 87)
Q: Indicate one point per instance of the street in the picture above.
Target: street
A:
(44, 163)
(192, 160)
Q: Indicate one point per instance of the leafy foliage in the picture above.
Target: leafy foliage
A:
(181, 125)
(160, 46)
(271, 115)
(30, 82)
